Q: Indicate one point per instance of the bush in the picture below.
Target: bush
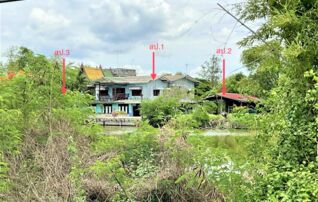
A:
(210, 107)
(240, 118)
(216, 121)
(200, 116)
(160, 110)
(148, 165)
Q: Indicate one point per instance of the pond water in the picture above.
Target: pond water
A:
(225, 132)
(118, 130)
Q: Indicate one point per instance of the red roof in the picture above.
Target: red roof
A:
(239, 97)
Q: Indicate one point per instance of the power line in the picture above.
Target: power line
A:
(243, 24)
(230, 34)
(197, 21)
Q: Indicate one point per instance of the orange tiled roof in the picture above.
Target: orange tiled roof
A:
(93, 73)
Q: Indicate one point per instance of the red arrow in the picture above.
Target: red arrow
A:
(153, 75)
(223, 79)
(63, 89)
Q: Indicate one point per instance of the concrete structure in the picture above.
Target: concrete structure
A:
(124, 94)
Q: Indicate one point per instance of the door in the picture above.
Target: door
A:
(136, 110)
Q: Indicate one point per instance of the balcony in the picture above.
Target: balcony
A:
(118, 96)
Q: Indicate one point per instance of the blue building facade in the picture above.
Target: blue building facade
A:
(124, 94)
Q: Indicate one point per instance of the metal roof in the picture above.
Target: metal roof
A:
(235, 96)
(143, 79)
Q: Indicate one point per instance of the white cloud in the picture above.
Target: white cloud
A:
(97, 30)
(195, 72)
(48, 19)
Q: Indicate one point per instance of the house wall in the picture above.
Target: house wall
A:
(147, 89)
(185, 83)
(99, 108)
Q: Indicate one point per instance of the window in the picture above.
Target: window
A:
(123, 108)
(136, 92)
(156, 92)
(108, 109)
(103, 92)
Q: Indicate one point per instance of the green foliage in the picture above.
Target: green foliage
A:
(200, 116)
(210, 107)
(233, 83)
(75, 80)
(225, 162)
(289, 129)
(4, 181)
(211, 71)
(160, 110)
(216, 117)
(38, 124)
(205, 88)
(240, 118)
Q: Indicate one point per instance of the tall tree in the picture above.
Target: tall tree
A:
(289, 135)
(211, 71)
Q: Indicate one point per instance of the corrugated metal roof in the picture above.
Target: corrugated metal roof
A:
(144, 79)
(175, 77)
(237, 97)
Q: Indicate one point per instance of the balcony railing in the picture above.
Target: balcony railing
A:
(118, 96)
(121, 96)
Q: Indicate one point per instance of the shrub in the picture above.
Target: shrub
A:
(210, 107)
(160, 110)
(240, 118)
(200, 116)
(216, 120)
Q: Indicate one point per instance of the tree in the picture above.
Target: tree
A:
(40, 126)
(287, 149)
(211, 71)
(263, 64)
(160, 110)
(233, 84)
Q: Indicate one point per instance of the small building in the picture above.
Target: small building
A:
(230, 100)
(125, 94)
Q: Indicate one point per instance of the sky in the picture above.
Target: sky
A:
(117, 33)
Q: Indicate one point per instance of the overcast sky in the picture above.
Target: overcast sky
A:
(117, 33)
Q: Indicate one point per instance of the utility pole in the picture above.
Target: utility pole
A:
(8, 1)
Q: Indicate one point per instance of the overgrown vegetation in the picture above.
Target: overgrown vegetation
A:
(286, 149)
(43, 138)
(49, 151)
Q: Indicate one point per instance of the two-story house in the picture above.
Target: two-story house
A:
(126, 93)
